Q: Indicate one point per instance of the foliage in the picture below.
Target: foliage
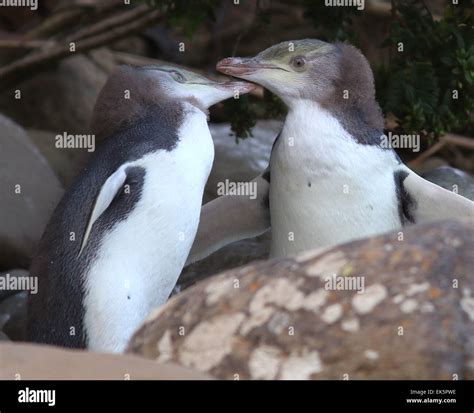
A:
(244, 112)
(186, 15)
(241, 113)
(428, 85)
(336, 21)
(419, 84)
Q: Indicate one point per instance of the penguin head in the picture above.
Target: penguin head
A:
(306, 69)
(129, 91)
(181, 84)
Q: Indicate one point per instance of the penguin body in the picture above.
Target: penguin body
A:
(340, 189)
(119, 238)
(332, 179)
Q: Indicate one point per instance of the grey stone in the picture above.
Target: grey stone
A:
(452, 179)
(13, 274)
(30, 191)
(238, 163)
(15, 308)
(60, 99)
(4, 337)
(64, 161)
(243, 161)
(231, 256)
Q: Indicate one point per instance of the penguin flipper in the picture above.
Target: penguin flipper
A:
(107, 193)
(231, 218)
(425, 201)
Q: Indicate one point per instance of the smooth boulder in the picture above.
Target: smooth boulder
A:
(21, 361)
(30, 191)
(308, 317)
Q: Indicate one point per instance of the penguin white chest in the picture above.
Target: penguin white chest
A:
(326, 188)
(140, 259)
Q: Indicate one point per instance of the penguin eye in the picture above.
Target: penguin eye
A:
(178, 77)
(299, 62)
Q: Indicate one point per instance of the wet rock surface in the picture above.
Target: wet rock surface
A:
(413, 318)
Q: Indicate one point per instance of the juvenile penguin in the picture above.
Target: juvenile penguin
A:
(116, 243)
(332, 178)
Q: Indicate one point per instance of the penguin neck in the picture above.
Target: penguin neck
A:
(198, 105)
(362, 119)
(309, 124)
(314, 138)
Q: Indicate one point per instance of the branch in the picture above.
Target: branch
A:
(65, 17)
(109, 23)
(13, 71)
(448, 139)
(25, 44)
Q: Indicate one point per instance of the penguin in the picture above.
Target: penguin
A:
(118, 239)
(331, 177)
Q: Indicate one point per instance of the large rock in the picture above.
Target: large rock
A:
(16, 274)
(60, 99)
(13, 315)
(30, 191)
(65, 162)
(452, 179)
(243, 161)
(413, 318)
(39, 362)
(231, 256)
(238, 163)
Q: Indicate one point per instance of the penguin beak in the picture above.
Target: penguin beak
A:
(237, 87)
(242, 66)
(214, 92)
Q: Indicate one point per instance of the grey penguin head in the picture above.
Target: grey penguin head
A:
(130, 90)
(307, 69)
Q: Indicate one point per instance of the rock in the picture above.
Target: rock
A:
(65, 162)
(243, 161)
(3, 320)
(452, 179)
(4, 337)
(14, 309)
(17, 274)
(231, 256)
(238, 163)
(30, 191)
(408, 314)
(40, 362)
(429, 164)
(137, 45)
(72, 88)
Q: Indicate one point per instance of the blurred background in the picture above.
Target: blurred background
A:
(55, 59)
